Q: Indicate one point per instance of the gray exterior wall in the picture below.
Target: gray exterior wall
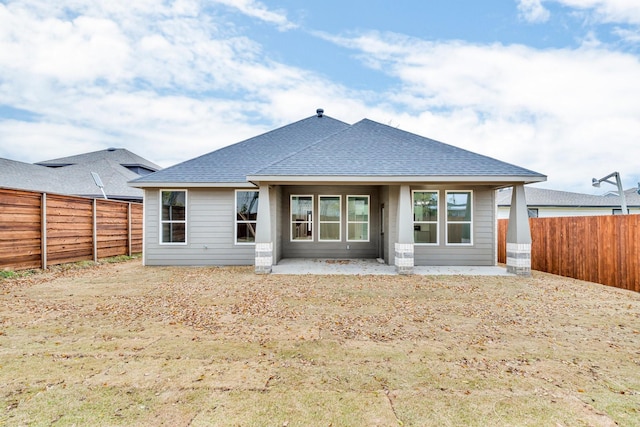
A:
(483, 249)
(333, 250)
(210, 231)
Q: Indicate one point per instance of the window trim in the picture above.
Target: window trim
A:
(162, 222)
(368, 222)
(291, 239)
(447, 222)
(436, 222)
(339, 221)
(235, 216)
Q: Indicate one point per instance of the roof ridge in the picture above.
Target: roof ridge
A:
(304, 148)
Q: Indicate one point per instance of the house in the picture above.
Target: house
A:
(552, 203)
(321, 188)
(72, 175)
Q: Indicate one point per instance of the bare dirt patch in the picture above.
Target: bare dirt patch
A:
(121, 344)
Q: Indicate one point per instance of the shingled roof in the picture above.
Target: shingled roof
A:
(544, 197)
(368, 148)
(72, 175)
(233, 163)
(325, 148)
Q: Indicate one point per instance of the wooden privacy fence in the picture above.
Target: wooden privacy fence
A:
(40, 229)
(601, 249)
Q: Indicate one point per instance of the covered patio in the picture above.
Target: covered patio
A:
(376, 267)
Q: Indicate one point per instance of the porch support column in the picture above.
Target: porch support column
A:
(404, 246)
(519, 235)
(264, 244)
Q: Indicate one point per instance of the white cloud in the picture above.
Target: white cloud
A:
(167, 81)
(612, 11)
(172, 80)
(256, 9)
(555, 111)
(533, 11)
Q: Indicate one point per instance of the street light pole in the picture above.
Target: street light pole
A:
(618, 182)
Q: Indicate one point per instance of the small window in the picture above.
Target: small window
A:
(301, 218)
(459, 218)
(358, 218)
(425, 217)
(246, 216)
(173, 216)
(532, 212)
(330, 218)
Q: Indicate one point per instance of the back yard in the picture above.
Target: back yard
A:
(120, 344)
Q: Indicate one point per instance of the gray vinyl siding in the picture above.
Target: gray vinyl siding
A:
(483, 250)
(331, 250)
(210, 231)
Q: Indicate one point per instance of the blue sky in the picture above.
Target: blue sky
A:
(550, 85)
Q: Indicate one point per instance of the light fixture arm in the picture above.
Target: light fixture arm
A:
(618, 182)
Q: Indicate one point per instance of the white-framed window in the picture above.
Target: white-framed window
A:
(246, 217)
(301, 218)
(425, 217)
(459, 218)
(330, 218)
(357, 218)
(173, 217)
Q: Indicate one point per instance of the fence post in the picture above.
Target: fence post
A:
(43, 231)
(95, 230)
(129, 229)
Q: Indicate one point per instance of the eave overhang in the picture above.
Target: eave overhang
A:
(498, 181)
(144, 185)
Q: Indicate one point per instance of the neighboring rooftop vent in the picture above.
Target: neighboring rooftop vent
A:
(111, 149)
(319, 112)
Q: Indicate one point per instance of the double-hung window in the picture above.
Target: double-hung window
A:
(459, 218)
(357, 218)
(173, 216)
(425, 217)
(246, 216)
(301, 218)
(330, 218)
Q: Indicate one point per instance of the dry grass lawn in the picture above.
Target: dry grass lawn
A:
(120, 344)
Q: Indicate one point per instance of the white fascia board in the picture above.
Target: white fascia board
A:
(295, 179)
(193, 185)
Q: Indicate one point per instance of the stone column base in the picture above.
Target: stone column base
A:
(404, 258)
(519, 259)
(264, 258)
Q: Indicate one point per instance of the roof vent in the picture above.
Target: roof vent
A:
(319, 112)
(111, 149)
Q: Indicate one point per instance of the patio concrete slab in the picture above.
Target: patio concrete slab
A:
(372, 266)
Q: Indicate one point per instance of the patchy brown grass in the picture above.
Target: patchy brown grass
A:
(120, 344)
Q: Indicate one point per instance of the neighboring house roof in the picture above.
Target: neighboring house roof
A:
(320, 146)
(72, 175)
(544, 197)
(25, 176)
(120, 156)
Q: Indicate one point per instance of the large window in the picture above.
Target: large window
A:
(301, 218)
(425, 217)
(358, 218)
(329, 218)
(459, 218)
(173, 216)
(246, 216)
